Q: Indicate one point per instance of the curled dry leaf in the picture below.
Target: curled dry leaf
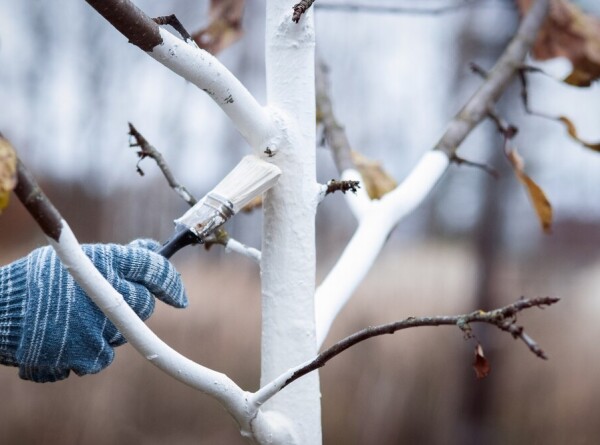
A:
(376, 180)
(542, 206)
(481, 365)
(573, 133)
(225, 27)
(8, 171)
(571, 33)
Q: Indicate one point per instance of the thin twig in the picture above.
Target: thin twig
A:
(498, 78)
(478, 69)
(333, 132)
(507, 130)
(503, 318)
(220, 236)
(147, 150)
(300, 8)
(174, 22)
(336, 185)
(486, 168)
(522, 76)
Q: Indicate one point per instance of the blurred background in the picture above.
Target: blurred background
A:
(69, 83)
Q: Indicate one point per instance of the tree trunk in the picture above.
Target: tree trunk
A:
(288, 248)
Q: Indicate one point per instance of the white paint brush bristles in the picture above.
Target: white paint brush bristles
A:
(250, 178)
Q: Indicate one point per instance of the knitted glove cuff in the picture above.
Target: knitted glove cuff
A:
(13, 305)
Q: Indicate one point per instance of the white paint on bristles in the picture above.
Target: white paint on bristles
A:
(250, 178)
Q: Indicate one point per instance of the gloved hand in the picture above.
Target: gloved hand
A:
(48, 325)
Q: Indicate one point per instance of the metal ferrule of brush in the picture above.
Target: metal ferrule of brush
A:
(198, 223)
(214, 212)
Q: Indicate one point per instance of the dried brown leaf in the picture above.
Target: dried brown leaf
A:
(8, 172)
(572, 130)
(542, 206)
(225, 27)
(376, 180)
(571, 33)
(254, 204)
(481, 365)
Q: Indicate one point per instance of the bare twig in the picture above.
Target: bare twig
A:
(478, 69)
(220, 236)
(333, 132)
(300, 8)
(507, 130)
(503, 318)
(174, 22)
(486, 168)
(147, 150)
(496, 81)
(336, 185)
(522, 76)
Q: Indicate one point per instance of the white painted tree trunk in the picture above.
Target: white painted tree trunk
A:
(288, 250)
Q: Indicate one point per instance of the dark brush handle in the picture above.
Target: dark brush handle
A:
(182, 237)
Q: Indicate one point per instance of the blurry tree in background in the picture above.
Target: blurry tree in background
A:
(396, 76)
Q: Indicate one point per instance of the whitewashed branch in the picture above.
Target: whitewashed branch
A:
(237, 247)
(113, 305)
(381, 217)
(359, 202)
(193, 64)
(378, 219)
(206, 72)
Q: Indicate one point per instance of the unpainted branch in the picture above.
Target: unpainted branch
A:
(130, 21)
(503, 318)
(454, 158)
(148, 150)
(496, 81)
(336, 185)
(300, 8)
(174, 22)
(220, 235)
(37, 203)
(333, 131)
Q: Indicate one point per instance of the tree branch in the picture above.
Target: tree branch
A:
(147, 150)
(130, 21)
(504, 318)
(342, 186)
(193, 64)
(113, 305)
(380, 217)
(484, 167)
(174, 22)
(476, 109)
(338, 142)
(37, 203)
(334, 133)
(300, 8)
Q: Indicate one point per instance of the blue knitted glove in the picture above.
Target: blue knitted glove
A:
(48, 325)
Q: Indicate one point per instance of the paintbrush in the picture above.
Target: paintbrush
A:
(251, 177)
